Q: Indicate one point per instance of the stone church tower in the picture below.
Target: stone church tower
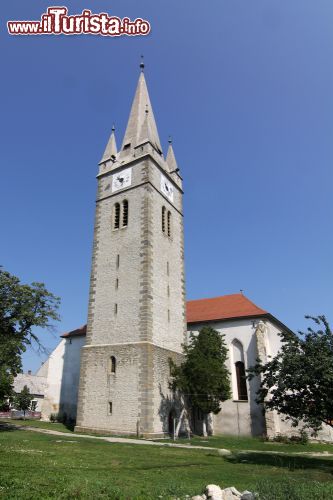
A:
(136, 316)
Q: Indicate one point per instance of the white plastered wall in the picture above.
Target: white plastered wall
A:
(63, 378)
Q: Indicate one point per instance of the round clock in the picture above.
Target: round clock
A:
(167, 188)
(121, 179)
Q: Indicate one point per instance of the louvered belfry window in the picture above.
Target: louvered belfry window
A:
(125, 213)
(116, 216)
(163, 219)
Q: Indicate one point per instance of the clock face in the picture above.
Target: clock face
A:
(121, 179)
(167, 188)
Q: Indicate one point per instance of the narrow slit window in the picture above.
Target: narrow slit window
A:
(116, 220)
(163, 219)
(168, 270)
(118, 261)
(169, 224)
(169, 315)
(125, 213)
(113, 364)
(241, 381)
(110, 407)
(116, 309)
(168, 291)
(117, 283)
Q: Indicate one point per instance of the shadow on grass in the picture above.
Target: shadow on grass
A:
(7, 427)
(290, 462)
(69, 425)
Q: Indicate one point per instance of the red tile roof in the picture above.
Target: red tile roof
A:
(79, 332)
(222, 308)
(218, 308)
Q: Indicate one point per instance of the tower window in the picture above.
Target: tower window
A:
(125, 213)
(168, 268)
(116, 309)
(110, 408)
(169, 224)
(117, 261)
(241, 381)
(113, 364)
(163, 219)
(117, 283)
(127, 146)
(116, 216)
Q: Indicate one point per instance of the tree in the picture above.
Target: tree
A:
(22, 308)
(23, 400)
(202, 378)
(298, 381)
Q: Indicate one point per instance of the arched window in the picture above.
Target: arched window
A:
(116, 216)
(113, 364)
(240, 389)
(169, 223)
(163, 219)
(125, 213)
(241, 381)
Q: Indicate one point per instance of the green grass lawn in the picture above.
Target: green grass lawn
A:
(40, 424)
(42, 466)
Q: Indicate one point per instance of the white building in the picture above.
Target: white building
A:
(249, 331)
(36, 384)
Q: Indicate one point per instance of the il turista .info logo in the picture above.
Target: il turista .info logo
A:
(56, 21)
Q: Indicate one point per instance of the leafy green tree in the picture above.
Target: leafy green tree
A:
(22, 308)
(298, 381)
(23, 400)
(202, 378)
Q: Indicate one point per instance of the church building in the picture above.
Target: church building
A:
(112, 375)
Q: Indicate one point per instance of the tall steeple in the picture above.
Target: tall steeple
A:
(140, 123)
(136, 315)
(111, 148)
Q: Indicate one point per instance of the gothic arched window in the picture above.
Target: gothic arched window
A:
(125, 213)
(169, 224)
(241, 381)
(240, 388)
(163, 219)
(116, 216)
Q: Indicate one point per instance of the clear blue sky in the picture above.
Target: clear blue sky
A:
(246, 90)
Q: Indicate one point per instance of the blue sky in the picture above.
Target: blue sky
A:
(246, 91)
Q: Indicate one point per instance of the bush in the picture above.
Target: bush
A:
(301, 438)
(54, 417)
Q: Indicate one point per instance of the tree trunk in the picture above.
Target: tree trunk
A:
(179, 422)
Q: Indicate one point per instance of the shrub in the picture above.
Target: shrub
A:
(301, 438)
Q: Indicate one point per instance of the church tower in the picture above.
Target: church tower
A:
(136, 316)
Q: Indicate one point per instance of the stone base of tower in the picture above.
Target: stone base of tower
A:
(135, 399)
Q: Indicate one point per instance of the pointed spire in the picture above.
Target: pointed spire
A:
(136, 123)
(171, 159)
(145, 133)
(111, 147)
